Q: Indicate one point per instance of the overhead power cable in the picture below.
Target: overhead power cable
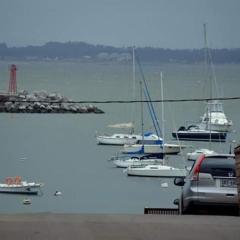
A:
(124, 101)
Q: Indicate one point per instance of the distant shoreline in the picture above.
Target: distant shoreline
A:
(72, 51)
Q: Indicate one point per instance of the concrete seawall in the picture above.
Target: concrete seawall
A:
(117, 227)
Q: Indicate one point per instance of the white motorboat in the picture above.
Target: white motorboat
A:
(16, 185)
(27, 201)
(213, 125)
(195, 154)
(125, 161)
(192, 156)
(156, 171)
(214, 118)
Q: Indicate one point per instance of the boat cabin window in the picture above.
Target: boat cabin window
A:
(215, 107)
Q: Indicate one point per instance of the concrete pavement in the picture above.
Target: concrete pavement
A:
(117, 227)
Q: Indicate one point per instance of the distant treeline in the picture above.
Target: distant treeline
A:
(89, 52)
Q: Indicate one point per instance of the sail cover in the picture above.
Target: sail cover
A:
(121, 125)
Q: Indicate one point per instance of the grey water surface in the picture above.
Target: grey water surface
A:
(60, 150)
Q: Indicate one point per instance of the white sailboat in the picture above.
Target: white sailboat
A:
(159, 170)
(129, 137)
(154, 147)
(124, 161)
(213, 125)
(157, 148)
(122, 138)
(156, 171)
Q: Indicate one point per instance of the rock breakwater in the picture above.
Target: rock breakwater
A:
(43, 102)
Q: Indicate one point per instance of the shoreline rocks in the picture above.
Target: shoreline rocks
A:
(42, 102)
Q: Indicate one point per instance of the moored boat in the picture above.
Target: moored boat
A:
(195, 154)
(214, 118)
(17, 186)
(27, 201)
(125, 161)
(156, 171)
(195, 133)
(121, 138)
(213, 125)
(163, 148)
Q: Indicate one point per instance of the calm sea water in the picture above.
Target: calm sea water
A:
(60, 149)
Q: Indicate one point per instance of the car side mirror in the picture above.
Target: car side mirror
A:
(179, 181)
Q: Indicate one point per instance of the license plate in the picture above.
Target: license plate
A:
(231, 183)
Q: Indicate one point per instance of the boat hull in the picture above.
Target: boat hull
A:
(220, 127)
(122, 139)
(152, 149)
(19, 190)
(101, 140)
(200, 136)
(130, 162)
(156, 171)
(192, 156)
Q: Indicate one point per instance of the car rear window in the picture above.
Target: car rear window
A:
(219, 167)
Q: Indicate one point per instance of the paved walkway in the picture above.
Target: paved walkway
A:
(117, 227)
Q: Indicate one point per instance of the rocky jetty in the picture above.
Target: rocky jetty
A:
(43, 102)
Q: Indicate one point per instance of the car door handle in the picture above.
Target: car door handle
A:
(230, 195)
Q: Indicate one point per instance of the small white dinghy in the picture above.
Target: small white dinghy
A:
(27, 201)
(58, 193)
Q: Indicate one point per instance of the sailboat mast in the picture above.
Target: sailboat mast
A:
(163, 127)
(205, 45)
(133, 86)
(207, 65)
(141, 100)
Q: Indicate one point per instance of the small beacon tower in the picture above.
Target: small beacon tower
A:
(12, 89)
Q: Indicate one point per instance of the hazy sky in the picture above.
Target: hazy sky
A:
(158, 23)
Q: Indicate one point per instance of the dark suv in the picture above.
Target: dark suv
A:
(210, 186)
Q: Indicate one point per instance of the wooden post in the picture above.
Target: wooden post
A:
(237, 159)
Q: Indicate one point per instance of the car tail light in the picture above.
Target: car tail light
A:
(197, 167)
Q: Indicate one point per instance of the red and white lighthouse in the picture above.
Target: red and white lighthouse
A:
(12, 89)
